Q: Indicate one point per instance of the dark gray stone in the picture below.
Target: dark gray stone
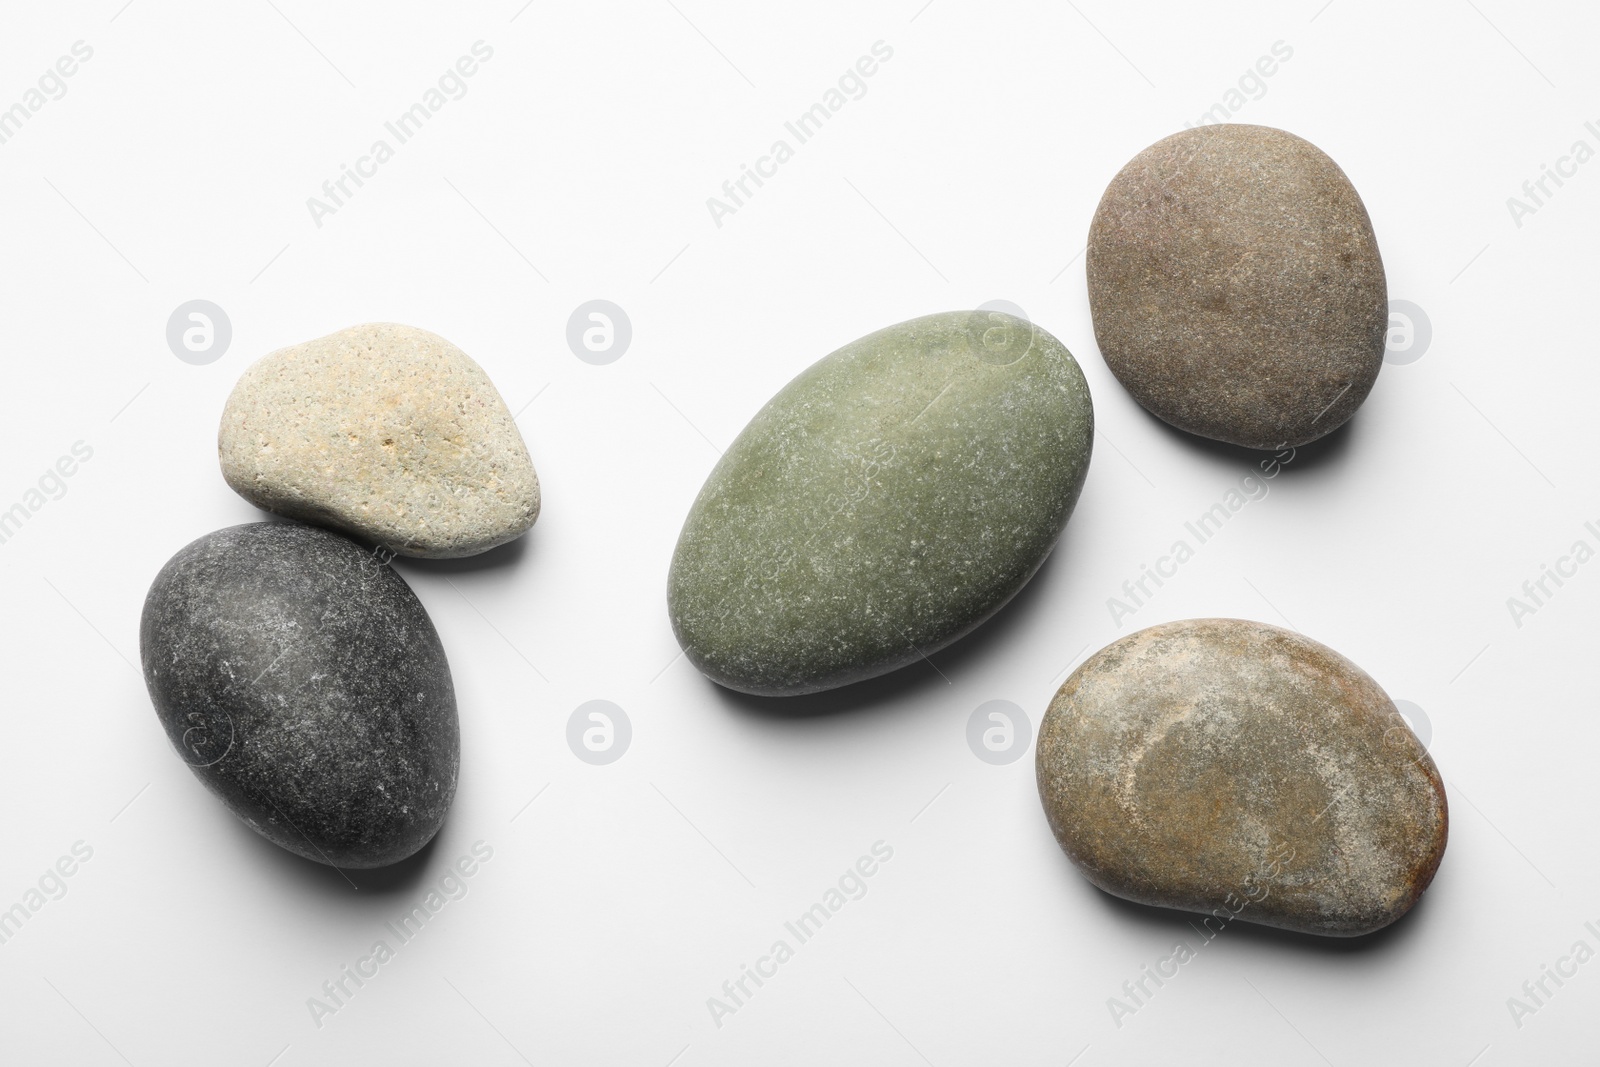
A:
(1236, 286)
(304, 684)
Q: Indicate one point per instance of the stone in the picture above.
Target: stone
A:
(389, 434)
(883, 504)
(1236, 286)
(1242, 771)
(304, 684)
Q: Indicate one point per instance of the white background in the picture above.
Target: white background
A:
(177, 166)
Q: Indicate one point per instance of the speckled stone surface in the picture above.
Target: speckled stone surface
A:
(1243, 771)
(303, 683)
(883, 504)
(1236, 286)
(387, 433)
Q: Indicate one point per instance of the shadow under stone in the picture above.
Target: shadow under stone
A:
(1325, 451)
(396, 879)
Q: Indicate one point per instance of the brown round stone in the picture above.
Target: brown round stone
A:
(1236, 286)
(1242, 771)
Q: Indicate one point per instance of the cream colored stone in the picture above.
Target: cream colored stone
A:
(387, 433)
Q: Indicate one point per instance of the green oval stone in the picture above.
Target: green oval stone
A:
(885, 503)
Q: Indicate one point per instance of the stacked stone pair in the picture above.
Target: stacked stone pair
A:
(295, 671)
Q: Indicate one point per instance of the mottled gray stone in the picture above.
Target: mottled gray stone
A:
(1236, 286)
(387, 433)
(303, 683)
(1243, 771)
(884, 503)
